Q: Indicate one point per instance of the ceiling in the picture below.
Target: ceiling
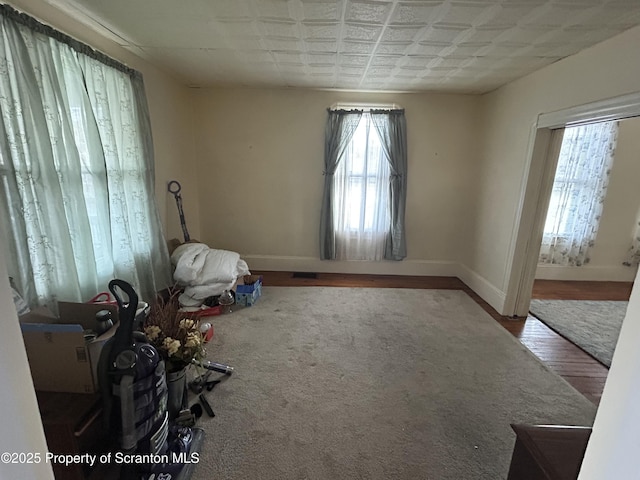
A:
(469, 46)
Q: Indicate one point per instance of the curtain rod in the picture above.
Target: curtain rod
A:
(365, 106)
(39, 27)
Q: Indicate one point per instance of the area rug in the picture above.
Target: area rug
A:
(594, 326)
(369, 383)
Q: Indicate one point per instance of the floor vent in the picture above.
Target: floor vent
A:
(305, 275)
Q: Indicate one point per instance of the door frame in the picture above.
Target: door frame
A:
(538, 183)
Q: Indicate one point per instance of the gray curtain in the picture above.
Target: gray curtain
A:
(340, 127)
(392, 128)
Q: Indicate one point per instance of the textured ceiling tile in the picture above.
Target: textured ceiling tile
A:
(254, 56)
(442, 33)
(468, 49)
(386, 60)
(557, 15)
(484, 63)
(236, 28)
(372, 85)
(321, 59)
(246, 43)
(322, 71)
(433, 49)
(321, 11)
(557, 36)
(320, 30)
(529, 63)
(554, 52)
(264, 68)
(508, 15)
(499, 51)
(282, 44)
(467, 13)
(451, 62)
(419, 13)
(277, 9)
(279, 29)
(417, 62)
(367, 12)
(400, 74)
(525, 35)
(288, 57)
(321, 46)
(354, 60)
(357, 47)
(486, 34)
(361, 32)
(351, 71)
(441, 71)
(291, 70)
(380, 72)
(229, 9)
(399, 48)
(400, 34)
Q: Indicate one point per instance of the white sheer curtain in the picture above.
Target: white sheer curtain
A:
(76, 170)
(579, 189)
(361, 196)
(633, 254)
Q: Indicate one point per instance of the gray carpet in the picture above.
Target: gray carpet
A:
(594, 326)
(359, 383)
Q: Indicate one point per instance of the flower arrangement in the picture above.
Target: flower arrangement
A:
(175, 334)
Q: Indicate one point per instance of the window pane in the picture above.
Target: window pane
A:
(354, 203)
(582, 166)
(365, 176)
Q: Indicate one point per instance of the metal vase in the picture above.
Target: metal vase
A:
(177, 389)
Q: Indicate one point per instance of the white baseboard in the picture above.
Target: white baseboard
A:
(586, 273)
(311, 264)
(487, 290)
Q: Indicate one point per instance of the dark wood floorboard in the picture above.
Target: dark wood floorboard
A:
(578, 368)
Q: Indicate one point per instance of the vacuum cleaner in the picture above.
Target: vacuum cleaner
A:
(133, 384)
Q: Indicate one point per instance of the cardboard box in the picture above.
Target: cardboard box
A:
(60, 358)
(248, 293)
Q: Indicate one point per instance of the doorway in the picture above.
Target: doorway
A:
(540, 177)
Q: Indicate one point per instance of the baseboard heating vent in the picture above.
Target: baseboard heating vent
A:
(305, 275)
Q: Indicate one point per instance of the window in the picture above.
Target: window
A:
(365, 184)
(362, 196)
(579, 189)
(76, 169)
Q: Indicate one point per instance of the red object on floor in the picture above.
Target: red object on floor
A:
(209, 312)
(208, 335)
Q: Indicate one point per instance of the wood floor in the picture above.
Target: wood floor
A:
(581, 370)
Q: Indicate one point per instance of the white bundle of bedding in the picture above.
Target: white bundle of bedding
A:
(205, 271)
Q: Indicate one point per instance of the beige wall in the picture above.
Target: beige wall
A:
(169, 107)
(260, 167)
(606, 70)
(619, 214)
